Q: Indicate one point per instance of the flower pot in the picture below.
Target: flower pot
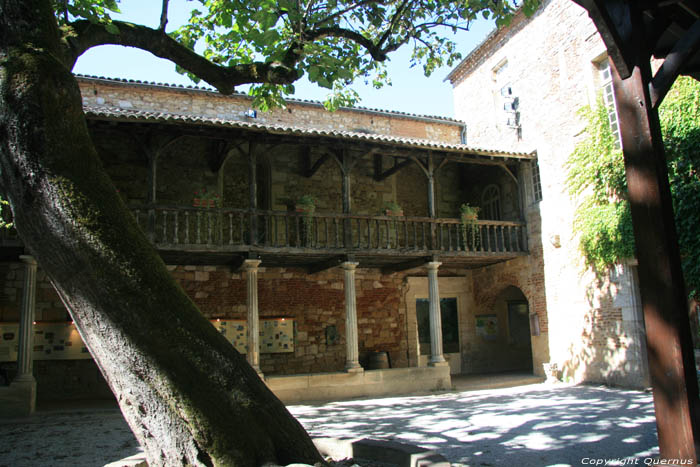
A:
(196, 202)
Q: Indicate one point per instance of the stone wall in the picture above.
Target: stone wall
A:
(551, 83)
(303, 114)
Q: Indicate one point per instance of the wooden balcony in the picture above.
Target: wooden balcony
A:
(189, 235)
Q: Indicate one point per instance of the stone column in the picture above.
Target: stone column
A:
(352, 363)
(26, 323)
(436, 356)
(253, 346)
(20, 398)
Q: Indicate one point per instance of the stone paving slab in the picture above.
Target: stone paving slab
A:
(537, 425)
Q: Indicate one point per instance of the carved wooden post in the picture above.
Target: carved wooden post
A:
(151, 196)
(664, 300)
(253, 193)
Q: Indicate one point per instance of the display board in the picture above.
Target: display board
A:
(61, 341)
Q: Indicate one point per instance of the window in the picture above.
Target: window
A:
(491, 203)
(536, 182)
(450, 326)
(605, 77)
(507, 101)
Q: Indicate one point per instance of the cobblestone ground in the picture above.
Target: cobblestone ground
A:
(534, 425)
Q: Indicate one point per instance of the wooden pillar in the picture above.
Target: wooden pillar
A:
(253, 348)
(436, 356)
(151, 195)
(664, 300)
(253, 192)
(352, 363)
(346, 167)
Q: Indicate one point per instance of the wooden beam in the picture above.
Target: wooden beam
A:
(508, 171)
(613, 19)
(661, 284)
(328, 264)
(664, 78)
(389, 172)
(406, 265)
(317, 165)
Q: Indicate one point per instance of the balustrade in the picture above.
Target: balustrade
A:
(217, 228)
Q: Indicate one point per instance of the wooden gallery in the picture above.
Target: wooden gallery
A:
(359, 252)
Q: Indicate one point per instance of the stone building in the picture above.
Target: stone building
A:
(381, 272)
(530, 104)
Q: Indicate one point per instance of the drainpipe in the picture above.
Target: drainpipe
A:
(463, 133)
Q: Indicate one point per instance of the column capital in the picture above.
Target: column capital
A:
(249, 264)
(433, 265)
(349, 265)
(28, 259)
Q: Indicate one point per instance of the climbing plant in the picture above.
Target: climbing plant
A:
(596, 178)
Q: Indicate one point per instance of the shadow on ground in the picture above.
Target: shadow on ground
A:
(527, 426)
(534, 425)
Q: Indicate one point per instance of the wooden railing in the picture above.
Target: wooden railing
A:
(217, 228)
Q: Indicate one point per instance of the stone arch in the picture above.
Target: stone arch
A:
(501, 339)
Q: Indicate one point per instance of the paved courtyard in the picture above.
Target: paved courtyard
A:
(536, 425)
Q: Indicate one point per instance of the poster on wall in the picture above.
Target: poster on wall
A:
(61, 341)
(276, 334)
(51, 341)
(487, 326)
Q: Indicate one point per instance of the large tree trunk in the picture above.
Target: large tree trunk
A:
(188, 396)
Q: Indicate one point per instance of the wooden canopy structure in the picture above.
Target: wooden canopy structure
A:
(634, 31)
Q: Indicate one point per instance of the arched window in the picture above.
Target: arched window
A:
(491, 203)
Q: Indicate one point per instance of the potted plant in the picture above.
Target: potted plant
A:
(392, 208)
(205, 199)
(306, 205)
(468, 216)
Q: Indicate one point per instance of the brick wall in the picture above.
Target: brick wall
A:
(179, 100)
(315, 302)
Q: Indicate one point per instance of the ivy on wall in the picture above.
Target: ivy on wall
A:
(596, 178)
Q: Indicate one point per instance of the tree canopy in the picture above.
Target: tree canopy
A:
(271, 44)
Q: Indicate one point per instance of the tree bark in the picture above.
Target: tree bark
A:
(186, 393)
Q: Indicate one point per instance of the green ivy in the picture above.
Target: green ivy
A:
(680, 122)
(596, 179)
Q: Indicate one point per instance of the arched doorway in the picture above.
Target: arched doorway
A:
(502, 341)
(513, 305)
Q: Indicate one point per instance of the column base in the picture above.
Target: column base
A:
(19, 399)
(353, 368)
(438, 362)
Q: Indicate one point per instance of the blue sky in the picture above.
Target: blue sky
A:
(410, 91)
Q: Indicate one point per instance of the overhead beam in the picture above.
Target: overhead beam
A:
(664, 78)
(389, 172)
(613, 19)
(311, 171)
(406, 265)
(509, 172)
(330, 263)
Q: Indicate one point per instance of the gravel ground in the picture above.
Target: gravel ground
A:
(536, 425)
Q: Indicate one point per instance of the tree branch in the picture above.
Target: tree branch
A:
(156, 41)
(375, 51)
(394, 20)
(164, 16)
